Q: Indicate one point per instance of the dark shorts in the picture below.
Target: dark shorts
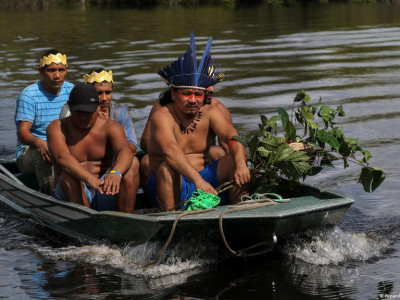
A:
(209, 174)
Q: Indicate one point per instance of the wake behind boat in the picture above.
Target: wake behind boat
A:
(247, 226)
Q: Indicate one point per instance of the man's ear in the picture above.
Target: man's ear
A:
(172, 95)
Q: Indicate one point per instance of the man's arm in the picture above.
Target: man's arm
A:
(129, 129)
(226, 131)
(228, 117)
(164, 139)
(62, 156)
(146, 131)
(27, 138)
(24, 118)
(123, 157)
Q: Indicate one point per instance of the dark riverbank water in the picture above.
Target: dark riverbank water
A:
(346, 54)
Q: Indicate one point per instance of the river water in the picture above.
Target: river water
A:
(344, 54)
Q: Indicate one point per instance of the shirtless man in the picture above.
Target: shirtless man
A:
(93, 155)
(215, 151)
(178, 145)
(103, 81)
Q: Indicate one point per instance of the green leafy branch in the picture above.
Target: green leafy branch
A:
(294, 156)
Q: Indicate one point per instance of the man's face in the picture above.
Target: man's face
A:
(210, 93)
(104, 90)
(188, 100)
(83, 119)
(53, 77)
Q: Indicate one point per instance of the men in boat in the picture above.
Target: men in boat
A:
(93, 154)
(103, 81)
(179, 135)
(38, 105)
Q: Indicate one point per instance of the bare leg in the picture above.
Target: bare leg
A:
(144, 169)
(225, 170)
(126, 198)
(168, 187)
(73, 190)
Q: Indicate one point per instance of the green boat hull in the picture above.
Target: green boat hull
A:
(312, 208)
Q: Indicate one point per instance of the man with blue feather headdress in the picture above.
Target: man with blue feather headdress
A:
(179, 137)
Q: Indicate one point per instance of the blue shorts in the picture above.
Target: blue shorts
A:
(209, 174)
(97, 201)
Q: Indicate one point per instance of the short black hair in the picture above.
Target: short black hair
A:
(98, 70)
(51, 51)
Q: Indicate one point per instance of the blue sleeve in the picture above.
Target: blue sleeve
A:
(127, 124)
(25, 109)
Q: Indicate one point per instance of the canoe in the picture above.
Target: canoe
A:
(238, 227)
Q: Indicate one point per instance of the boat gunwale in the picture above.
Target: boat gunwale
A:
(165, 217)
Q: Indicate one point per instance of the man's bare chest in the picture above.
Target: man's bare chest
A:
(90, 147)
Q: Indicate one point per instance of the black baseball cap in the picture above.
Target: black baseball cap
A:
(83, 97)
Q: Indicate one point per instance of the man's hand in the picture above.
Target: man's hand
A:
(41, 146)
(205, 187)
(95, 183)
(102, 113)
(241, 175)
(111, 184)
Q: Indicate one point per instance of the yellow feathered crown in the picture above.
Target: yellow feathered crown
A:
(53, 58)
(99, 77)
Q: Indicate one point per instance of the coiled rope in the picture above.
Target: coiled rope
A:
(247, 203)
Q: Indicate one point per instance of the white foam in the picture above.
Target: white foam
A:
(333, 246)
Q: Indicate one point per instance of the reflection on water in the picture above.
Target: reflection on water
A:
(345, 54)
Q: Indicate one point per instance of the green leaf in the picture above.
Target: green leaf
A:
(367, 156)
(314, 170)
(300, 96)
(290, 132)
(329, 138)
(264, 120)
(263, 152)
(284, 117)
(371, 178)
(312, 124)
(253, 144)
(378, 176)
(306, 112)
(340, 111)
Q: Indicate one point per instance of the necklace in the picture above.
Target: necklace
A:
(192, 126)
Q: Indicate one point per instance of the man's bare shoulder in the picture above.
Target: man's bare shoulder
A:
(163, 113)
(54, 125)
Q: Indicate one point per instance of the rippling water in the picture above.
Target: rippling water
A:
(345, 54)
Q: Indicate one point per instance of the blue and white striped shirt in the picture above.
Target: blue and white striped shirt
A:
(36, 105)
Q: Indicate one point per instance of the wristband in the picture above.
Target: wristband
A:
(239, 139)
(117, 173)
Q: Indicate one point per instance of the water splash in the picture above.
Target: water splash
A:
(332, 246)
(181, 257)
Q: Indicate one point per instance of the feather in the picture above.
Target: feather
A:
(184, 71)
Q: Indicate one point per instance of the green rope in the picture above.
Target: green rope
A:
(256, 196)
(202, 200)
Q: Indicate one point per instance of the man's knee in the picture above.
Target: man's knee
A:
(67, 182)
(28, 161)
(166, 174)
(216, 152)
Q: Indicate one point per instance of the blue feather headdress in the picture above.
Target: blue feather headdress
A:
(184, 71)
